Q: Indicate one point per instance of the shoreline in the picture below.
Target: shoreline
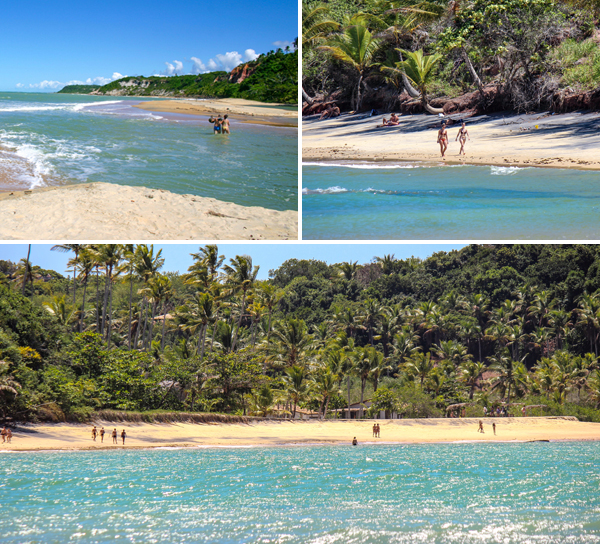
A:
(245, 111)
(135, 213)
(559, 141)
(286, 433)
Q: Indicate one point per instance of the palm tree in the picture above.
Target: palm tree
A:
(366, 360)
(109, 255)
(147, 266)
(420, 365)
(324, 385)
(60, 309)
(296, 385)
(589, 316)
(387, 263)
(269, 295)
(8, 385)
(470, 371)
(372, 312)
(86, 265)
(240, 276)
(291, 341)
(75, 248)
(419, 69)
(355, 46)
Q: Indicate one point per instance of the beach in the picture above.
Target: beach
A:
(99, 211)
(567, 140)
(246, 111)
(65, 436)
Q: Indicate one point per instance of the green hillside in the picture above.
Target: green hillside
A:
(79, 89)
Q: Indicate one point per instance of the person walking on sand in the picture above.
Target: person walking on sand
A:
(102, 434)
(374, 429)
(94, 433)
(123, 436)
(114, 436)
(378, 431)
(3, 433)
(494, 427)
(443, 139)
(8, 435)
(463, 134)
(480, 430)
(225, 125)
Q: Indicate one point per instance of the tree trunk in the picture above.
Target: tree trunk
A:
(26, 269)
(235, 336)
(109, 329)
(307, 98)
(82, 307)
(203, 343)
(97, 295)
(139, 325)
(348, 387)
(474, 75)
(130, 311)
(412, 92)
(431, 109)
(358, 97)
(362, 396)
(162, 334)
(105, 304)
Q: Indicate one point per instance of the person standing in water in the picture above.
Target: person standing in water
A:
(354, 441)
(463, 134)
(225, 125)
(443, 139)
(217, 121)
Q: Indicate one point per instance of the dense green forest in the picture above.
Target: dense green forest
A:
(272, 77)
(488, 325)
(79, 89)
(457, 55)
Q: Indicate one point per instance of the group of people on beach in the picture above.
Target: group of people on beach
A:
(6, 435)
(220, 124)
(442, 139)
(114, 434)
(480, 428)
(376, 431)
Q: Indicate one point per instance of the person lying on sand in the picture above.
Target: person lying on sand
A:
(330, 112)
(463, 134)
(443, 139)
(393, 122)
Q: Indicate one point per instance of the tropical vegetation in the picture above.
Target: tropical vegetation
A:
(486, 326)
(406, 54)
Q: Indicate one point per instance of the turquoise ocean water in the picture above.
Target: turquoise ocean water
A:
(53, 139)
(538, 493)
(415, 201)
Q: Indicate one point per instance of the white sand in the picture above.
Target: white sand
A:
(273, 433)
(105, 211)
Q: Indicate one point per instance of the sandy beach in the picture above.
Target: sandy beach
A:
(567, 140)
(247, 111)
(100, 211)
(65, 436)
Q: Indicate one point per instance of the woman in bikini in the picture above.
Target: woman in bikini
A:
(443, 139)
(463, 134)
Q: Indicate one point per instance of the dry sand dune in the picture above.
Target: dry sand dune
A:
(100, 211)
(273, 433)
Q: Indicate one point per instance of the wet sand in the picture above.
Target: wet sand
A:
(247, 111)
(101, 211)
(285, 433)
(566, 141)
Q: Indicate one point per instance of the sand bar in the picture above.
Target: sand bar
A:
(65, 436)
(567, 140)
(247, 111)
(105, 211)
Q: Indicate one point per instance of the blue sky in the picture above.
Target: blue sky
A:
(61, 41)
(267, 256)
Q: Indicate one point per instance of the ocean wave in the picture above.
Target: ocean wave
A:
(328, 191)
(367, 166)
(504, 170)
(79, 107)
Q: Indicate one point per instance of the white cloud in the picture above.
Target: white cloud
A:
(283, 44)
(175, 68)
(249, 55)
(59, 84)
(198, 67)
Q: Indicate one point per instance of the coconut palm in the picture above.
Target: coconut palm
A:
(63, 312)
(470, 372)
(296, 385)
(8, 386)
(86, 266)
(240, 277)
(419, 365)
(420, 70)
(147, 266)
(324, 385)
(75, 248)
(355, 46)
(269, 296)
(291, 341)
